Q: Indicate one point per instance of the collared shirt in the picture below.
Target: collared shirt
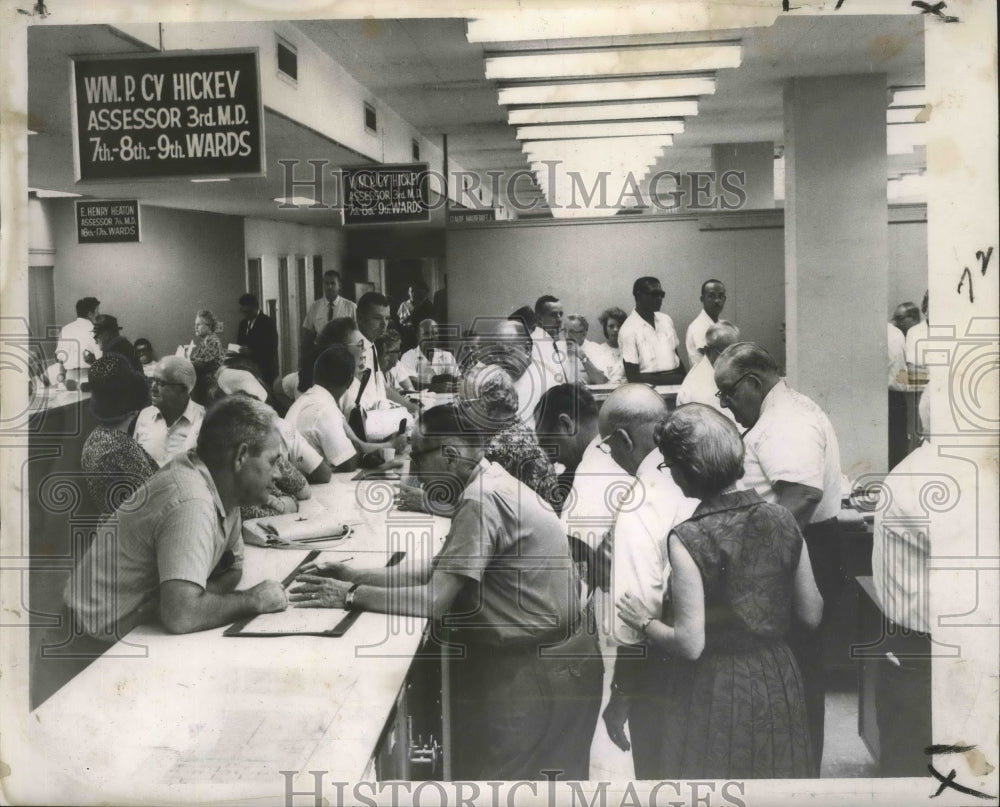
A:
(913, 522)
(640, 561)
(164, 442)
(699, 387)
(695, 338)
(414, 363)
(654, 349)
(607, 359)
(75, 338)
(375, 390)
(552, 358)
(318, 418)
(589, 511)
(319, 314)
(512, 549)
(897, 358)
(916, 344)
(295, 447)
(793, 441)
(174, 527)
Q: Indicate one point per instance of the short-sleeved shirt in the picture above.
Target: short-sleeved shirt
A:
(552, 357)
(164, 442)
(300, 451)
(654, 349)
(512, 549)
(699, 387)
(793, 441)
(694, 340)
(916, 344)
(318, 418)
(319, 312)
(174, 527)
(640, 563)
(589, 511)
(415, 364)
(897, 358)
(75, 339)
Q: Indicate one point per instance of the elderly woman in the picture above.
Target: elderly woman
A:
(610, 353)
(489, 403)
(205, 348)
(114, 463)
(732, 698)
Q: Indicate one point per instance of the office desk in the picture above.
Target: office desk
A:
(204, 717)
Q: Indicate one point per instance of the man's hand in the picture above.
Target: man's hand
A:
(615, 715)
(398, 442)
(268, 597)
(410, 498)
(329, 568)
(312, 591)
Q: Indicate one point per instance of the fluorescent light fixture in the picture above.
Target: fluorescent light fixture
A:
(300, 201)
(44, 194)
(674, 17)
(216, 179)
(589, 91)
(614, 61)
(909, 97)
(595, 112)
(568, 131)
(903, 114)
(602, 147)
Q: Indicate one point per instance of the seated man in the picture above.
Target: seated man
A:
(427, 361)
(317, 416)
(387, 348)
(699, 384)
(176, 549)
(526, 693)
(589, 354)
(164, 427)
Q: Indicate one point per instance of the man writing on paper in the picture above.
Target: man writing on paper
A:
(525, 696)
(174, 549)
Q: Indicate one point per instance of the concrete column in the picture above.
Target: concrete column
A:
(836, 257)
(756, 162)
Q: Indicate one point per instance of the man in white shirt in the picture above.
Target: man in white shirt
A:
(330, 306)
(373, 321)
(792, 459)
(77, 346)
(640, 566)
(593, 357)
(904, 317)
(422, 363)
(915, 335)
(163, 429)
(549, 350)
(316, 415)
(713, 300)
(648, 339)
(699, 384)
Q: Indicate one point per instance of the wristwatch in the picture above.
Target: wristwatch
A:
(349, 597)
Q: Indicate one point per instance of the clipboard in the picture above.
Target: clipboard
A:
(301, 621)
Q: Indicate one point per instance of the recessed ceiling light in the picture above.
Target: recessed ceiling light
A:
(216, 179)
(621, 90)
(299, 201)
(44, 194)
(614, 61)
(595, 112)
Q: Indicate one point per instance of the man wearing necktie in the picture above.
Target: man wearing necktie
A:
(328, 307)
(373, 320)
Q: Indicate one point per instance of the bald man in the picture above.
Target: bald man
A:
(640, 566)
(506, 343)
(699, 384)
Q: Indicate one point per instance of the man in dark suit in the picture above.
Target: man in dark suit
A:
(259, 335)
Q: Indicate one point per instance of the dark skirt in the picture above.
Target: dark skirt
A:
(734, 715)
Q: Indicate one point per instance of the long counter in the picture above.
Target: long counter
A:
(202, 716)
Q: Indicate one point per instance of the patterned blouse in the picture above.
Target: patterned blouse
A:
(209, 350)
(515, 448)
(115, 466)
(289, 483)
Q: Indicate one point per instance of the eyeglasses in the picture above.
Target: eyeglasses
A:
(727, 393)
(604, 446)
(159, 382)
(664, 466)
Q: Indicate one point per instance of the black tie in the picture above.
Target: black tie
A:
(329, 311)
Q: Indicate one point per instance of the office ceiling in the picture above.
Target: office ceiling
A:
(427, 71)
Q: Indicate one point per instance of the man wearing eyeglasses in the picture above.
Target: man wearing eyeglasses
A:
(648, 338)
(164, 427)
(652, 506)
(792, 459)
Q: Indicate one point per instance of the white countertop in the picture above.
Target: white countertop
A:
(207, 717)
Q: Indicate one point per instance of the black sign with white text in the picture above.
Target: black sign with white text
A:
(191, 115)
(107, 222)
(386, 194)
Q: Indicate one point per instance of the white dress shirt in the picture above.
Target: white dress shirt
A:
(654, 349)
(75, 338)
(897, 358)
(414, 363)
(317, 417)
(590, 510)
(161, 441)
(554, 361)
(699, 387)
(318, 313)
(916, 344)
(793, 441)
(640, 562)
(695, 338)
